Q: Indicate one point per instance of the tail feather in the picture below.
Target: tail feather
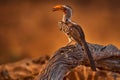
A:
(86, 49)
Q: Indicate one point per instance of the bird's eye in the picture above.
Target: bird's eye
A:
(65, 10)
(66, 19)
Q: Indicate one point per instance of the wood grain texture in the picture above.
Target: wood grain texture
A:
(67, 58)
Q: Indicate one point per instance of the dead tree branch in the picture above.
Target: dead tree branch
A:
(69, 57)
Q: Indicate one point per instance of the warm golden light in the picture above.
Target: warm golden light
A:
(30, 29)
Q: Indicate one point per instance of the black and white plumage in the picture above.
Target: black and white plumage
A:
(73, 31)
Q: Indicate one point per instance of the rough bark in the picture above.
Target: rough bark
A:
(67, 58)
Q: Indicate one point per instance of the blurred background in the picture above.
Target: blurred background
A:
(28, 28)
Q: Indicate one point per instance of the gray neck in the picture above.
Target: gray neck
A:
(67, 16)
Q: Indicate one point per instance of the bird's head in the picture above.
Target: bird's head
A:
(63, 8)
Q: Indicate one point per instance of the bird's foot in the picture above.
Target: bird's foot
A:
(68, 44)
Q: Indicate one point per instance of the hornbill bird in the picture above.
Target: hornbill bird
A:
(73, 31)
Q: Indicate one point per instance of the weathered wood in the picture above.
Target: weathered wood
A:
(67, 58)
